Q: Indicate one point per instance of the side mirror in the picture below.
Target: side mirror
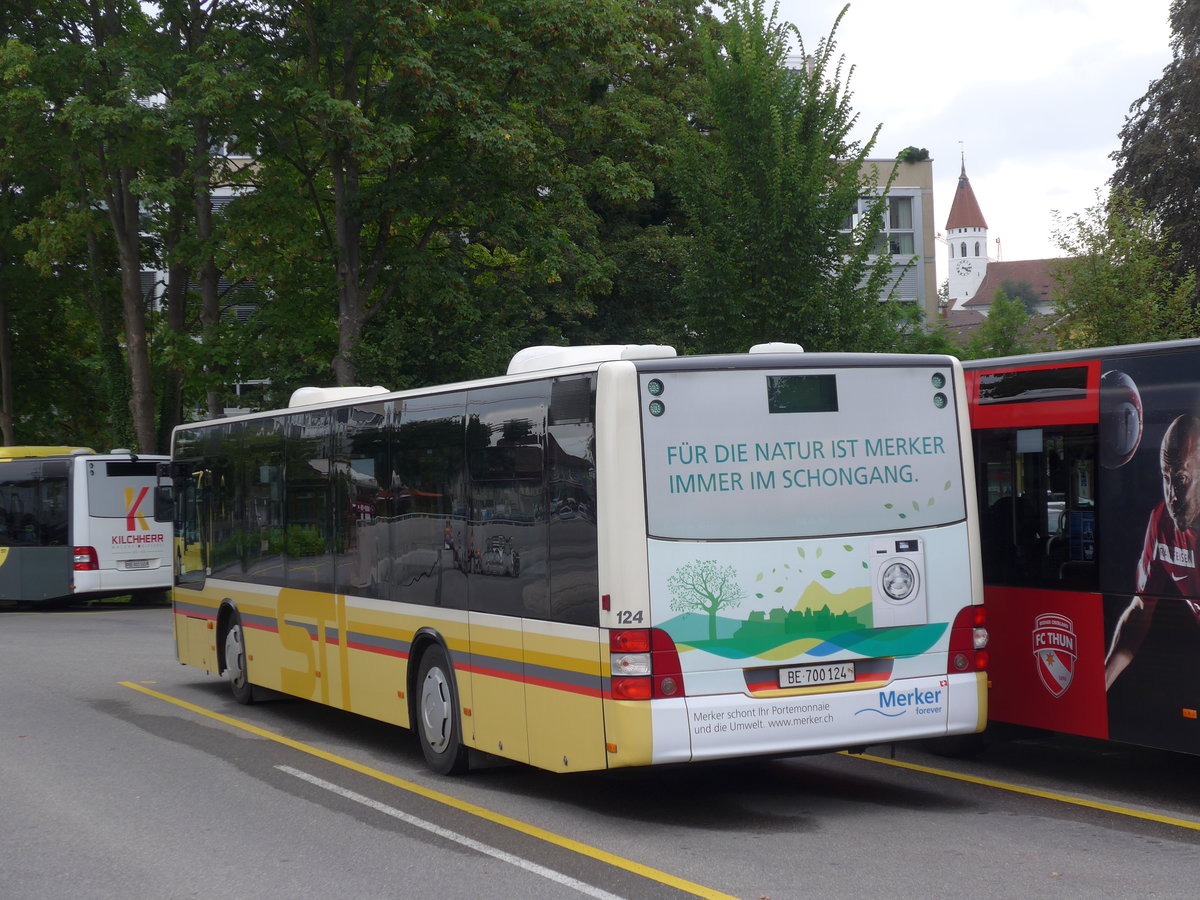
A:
(164, 503)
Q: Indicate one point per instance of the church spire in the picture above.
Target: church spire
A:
(966, 242)
(965, 211)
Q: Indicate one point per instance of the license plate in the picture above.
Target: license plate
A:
(805, 676)
(137, 563)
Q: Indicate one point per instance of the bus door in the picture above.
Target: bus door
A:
(36, 556)
(193, 527)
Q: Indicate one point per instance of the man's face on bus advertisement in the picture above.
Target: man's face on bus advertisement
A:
(1181, 472)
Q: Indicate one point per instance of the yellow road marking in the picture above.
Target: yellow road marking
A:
(1034, 792)
(481, 812)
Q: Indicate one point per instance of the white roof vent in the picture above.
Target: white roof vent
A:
(309, 396)
(535, 359)
(777, 347)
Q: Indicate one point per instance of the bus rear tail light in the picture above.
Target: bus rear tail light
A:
(968, 641)
(644, 665)
(86, 559)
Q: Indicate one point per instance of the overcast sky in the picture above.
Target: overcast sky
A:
(1034, 92)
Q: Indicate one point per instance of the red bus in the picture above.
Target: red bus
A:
(1088, 480)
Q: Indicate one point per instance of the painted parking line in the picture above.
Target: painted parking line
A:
(512, 859)
(1034, 792)
(550, 837)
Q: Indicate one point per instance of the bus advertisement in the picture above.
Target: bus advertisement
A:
(77, 525)
(1088, 475)
(608, 557)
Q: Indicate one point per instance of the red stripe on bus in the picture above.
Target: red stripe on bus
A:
(538, 682)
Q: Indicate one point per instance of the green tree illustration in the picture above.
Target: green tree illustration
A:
(705, 586)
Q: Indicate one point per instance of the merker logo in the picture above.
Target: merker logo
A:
(921, 701)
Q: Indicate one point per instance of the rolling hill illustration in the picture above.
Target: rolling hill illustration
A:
(820, 624)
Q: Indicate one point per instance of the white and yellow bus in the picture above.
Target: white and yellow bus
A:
(611, 556)
(76, 525)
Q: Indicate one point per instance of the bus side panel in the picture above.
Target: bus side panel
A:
(968, 714)
(563, 688)
(1144, 550)
(196, 639)
(497, 686)
(1156, 700)
(1046, 651)
(643, 733)
(194, 618)
(32, 574)
(377, 646)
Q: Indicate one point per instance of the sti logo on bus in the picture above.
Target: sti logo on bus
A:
(1055, 648)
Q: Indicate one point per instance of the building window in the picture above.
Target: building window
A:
(977, 248)
(964, 248)
(897, 237)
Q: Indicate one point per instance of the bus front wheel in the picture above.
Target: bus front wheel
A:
(438, 723)
(235, 662)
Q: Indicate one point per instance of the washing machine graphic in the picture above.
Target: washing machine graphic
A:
(898, 582)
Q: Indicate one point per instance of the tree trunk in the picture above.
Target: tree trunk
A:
(6, 373)
(124, 208)
(170, 401)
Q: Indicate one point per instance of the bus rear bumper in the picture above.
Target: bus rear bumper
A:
(127, 581)
(721, 727)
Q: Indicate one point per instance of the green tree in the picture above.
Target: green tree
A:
(1116, 284)
(61, 248)
(642, 119)
(769, 193)
(707, 587)
(192, 52)
(432, 145)
(1158, 161)
(1004, 332)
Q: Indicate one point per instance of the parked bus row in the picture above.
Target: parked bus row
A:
(614, 556)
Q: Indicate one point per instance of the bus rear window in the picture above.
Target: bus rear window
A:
(801, 393)
(876, 448)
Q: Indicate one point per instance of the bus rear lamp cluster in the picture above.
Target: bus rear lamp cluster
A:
(968, 641)
(86, 559)
(644, 665)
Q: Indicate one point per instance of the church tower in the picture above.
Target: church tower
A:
(966, 241)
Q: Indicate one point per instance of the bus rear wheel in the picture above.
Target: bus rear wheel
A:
(438, 724)
(235, 662)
